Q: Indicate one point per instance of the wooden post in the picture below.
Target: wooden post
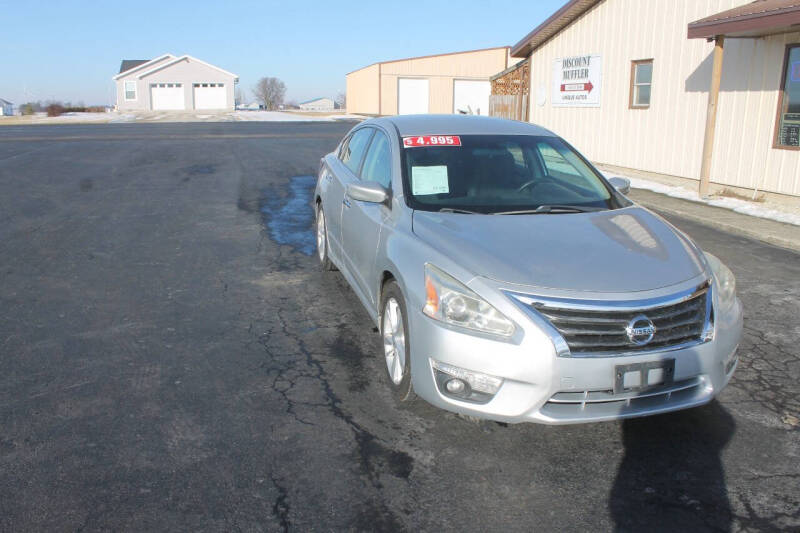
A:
(711, 116)
(519, 95)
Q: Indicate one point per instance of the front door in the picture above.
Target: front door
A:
(363, 222)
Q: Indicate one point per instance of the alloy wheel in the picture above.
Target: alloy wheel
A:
(394, 340)
(321, 235)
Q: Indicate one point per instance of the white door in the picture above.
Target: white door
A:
(167, 96)
(412, 96)
(210, 96)
(471, 96)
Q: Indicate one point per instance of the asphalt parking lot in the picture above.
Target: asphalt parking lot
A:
(172, 358)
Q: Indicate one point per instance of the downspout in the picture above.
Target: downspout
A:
(711, 116)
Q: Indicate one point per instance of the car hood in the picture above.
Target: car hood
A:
(620, 250)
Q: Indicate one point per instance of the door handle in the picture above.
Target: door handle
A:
(346, 202)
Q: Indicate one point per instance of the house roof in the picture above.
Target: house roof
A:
(756, 18)
(548, 29)
(184, 58)
(5, 102)
(431, 55)
(139, 66)
(128, 64)
(315, 99)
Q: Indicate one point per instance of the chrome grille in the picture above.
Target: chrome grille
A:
(594, 329)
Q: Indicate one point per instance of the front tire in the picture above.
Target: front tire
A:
(396, 348)
(322, 241)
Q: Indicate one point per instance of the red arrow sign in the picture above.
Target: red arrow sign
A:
(577, 87)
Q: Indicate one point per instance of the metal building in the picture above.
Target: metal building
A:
(445, 83)
(690, 89)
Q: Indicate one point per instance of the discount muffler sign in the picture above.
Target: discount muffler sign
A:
(577, 81)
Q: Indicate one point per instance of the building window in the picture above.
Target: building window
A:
(788, 124)
(130, 90)
(641, 81)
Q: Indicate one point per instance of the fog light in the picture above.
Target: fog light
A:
(455, 386)
(465, 384)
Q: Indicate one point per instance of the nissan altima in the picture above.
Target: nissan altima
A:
(510, 280)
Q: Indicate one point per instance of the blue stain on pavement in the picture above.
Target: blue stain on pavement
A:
(290, 218)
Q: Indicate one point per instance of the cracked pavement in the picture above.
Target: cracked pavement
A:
(172, 358)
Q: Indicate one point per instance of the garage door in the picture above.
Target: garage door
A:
(412, 96)
(166, 96)
(471, 96)
(209, 96)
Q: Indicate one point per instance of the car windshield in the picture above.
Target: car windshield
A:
(503, 174)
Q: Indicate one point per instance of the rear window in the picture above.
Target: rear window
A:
(494, 173)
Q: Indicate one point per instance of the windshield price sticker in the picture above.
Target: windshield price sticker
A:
(429, 180)
(432, 140)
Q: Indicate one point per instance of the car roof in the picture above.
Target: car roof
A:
(459, 125)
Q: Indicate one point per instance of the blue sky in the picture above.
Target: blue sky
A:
(69, 50)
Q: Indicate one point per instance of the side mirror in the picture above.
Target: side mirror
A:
(623, 185)
(367, 191)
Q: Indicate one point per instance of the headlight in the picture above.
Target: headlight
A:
(453, 303)
(725, 281)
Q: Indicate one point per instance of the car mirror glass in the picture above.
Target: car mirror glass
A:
(370, 191)
(623, 185)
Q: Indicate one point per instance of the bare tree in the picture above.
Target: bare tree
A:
(269, 92)
(239, 97)
(341, 101)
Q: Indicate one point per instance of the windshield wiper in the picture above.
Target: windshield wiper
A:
(545, 209)
(456, 210)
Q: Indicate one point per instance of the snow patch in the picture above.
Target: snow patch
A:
(734, 204)
(279, 116)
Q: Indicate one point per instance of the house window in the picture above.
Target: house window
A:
(641, 81)
(787, 135)
(130, 90)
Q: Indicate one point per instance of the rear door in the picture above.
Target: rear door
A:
(167, 96)
(412, 96)
(209, 96)
(344, 170)
(363, 222)
(471, 97)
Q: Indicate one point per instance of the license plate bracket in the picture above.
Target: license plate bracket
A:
(665, 370)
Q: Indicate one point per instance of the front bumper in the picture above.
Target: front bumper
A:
(539, 386)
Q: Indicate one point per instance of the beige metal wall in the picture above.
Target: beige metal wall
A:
(743, 153)
(362, 90)
(667, 137)
(364, 85)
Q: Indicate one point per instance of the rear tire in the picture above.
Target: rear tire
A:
(396, 347)
(322, 241)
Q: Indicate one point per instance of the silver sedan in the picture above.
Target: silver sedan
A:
(511, 281)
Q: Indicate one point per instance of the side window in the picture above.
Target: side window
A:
(641, 83)
(353, 151)
(343, 147)
(378, 164)
(788, 127)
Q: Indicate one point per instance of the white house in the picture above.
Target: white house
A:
(173, 83)
(317, 104)
(6, 108)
